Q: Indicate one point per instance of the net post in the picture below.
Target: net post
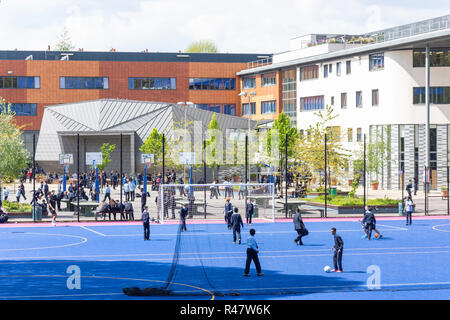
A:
(161, 199)
(273, 202)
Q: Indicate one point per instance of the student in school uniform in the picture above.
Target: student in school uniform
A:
(228, 211)
(338, 249)
(252, 254)
(236, 224)
(146, 223)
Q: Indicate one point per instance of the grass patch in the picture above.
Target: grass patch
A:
(16, 206)
(353, 201)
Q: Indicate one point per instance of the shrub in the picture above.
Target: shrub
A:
(16, 206)
(354, 201)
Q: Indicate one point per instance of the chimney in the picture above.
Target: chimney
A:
(48, 48)
(112, 50)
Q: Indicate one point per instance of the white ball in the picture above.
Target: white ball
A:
(327, 269)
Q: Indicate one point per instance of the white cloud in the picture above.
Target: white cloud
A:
(170, 25)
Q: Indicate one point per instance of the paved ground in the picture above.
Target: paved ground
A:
(437, 206)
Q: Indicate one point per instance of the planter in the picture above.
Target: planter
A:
(374, 185)
(313, 180)
(350, 182)
(444, 193)
(354, 209)
(333, 181)
(237, 179)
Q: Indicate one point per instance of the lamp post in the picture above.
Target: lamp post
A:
(244, 94)
(185, 104)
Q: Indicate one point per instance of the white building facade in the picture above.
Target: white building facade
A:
(377, 88)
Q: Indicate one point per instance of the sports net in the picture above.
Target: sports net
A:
(206, 256)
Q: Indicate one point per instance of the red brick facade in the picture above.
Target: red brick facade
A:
(118, 73)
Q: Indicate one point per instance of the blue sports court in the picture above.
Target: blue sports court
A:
(43, 262)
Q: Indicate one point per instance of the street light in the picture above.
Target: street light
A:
(185, 104)
(244, 94)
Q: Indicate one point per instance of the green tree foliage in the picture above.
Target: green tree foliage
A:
(106, 150)
(202, 46)
(283, 126)
(153, 145)
(13, 155)
(64, 42)
(213, 146)
(310, 147)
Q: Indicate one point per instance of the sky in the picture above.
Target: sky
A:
(236, 26)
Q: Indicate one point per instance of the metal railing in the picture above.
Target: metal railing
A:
(259, 63)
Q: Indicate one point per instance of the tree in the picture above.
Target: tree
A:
(153, 145)
(64, 42)
(282, 126)
(309, 151)
(13, 155)
(106, 150)
(202, 46)
(213, 145)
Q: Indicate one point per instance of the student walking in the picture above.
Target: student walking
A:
(228, 211)
(5, 193)
(183, 214)
(249, 211)
(409, 208)
(252, 254)
(236, 224)
(107, 193)
(338, 249)
(299, 226)
(409, 187)
(52, 207)
(146, 223)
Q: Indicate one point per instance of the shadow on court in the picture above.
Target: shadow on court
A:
(53, 279)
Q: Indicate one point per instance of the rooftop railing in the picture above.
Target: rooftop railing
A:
(259, 63)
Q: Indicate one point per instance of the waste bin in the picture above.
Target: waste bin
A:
(37, 214)
(333, 192)
(400, 209)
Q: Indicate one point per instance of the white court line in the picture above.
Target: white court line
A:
(88, 229)
(388, 226)
(50, 247)
(440, 225)
(150, 255)
(228, 233)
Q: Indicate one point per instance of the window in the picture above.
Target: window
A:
(268, 79)
(375, 97)
(358, 135)
(348, 67)
(20, 83)
(438, 95)
(325, 71)
(83, 83)
(219, 108)
(268, 107)
(289, 94)
(344, 100)
(376, 61)
(358, 99)
(330, 68)
(338, 69)
(249, 82)
(211, 83)
(311, 103)
(438, 57)
(21, 109)
(332, 101)
(152, 83)
(245, 108)
(335, 132)
(309, 72)
(350, 134)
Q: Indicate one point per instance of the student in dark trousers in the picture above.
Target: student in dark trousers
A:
(146, 223)
(228, 211)
(107, 193)
(252, 254)
(409, 208)
(409, 187)
(143, 199)
(236, 224)
(183, 214)
(338, 250)
(299, 226)
(249, 211)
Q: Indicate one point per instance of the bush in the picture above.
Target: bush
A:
(354, 201)
(16, 206)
